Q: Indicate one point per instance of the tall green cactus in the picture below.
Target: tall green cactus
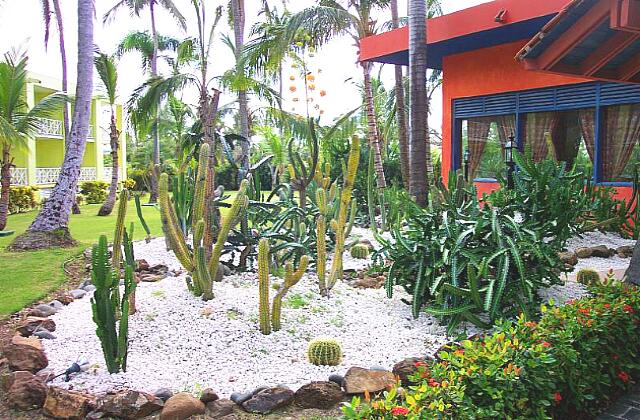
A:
(202, 271)
(114, 340)
(117, 242)
(271, 320)
(321, 240)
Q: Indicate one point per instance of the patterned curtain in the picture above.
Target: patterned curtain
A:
(566, 136)
(588, 127)
(622, 128)
(477, 135)
(537, 133)
(506, 128)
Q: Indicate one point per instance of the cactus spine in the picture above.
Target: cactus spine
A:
(338, 225)
(263, 279)
(202, 271)
(271, 320)
(588, 277)
(114, 341)
(324, 352)
(360, 251)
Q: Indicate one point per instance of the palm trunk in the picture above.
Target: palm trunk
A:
(153, 196)
(114, 135)
(63, 58)
(418, 134)
(50, 228)
(401, 115)
(207, 110)
(5, 186)
(372, 127)
(243, 101)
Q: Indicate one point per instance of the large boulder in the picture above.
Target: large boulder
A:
(25, 354)
(268, 400)
(569, 258)
(208, 395)
(25, 390)
(219, 409)
(625, 251)
(584, 252)
(321, 395)
(601, 251)
(64, 404)
(33, 323)
(358, 380)
(406, 368)
(129, 404)
(182, 406)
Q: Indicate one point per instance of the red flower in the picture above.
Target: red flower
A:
(434, 383)
(624, 377)
(546, 344)
(584, 311)
(615, 357)
(530, 324)
(399, 411)
(557, 397)
(459, 352)
(607, 306)
(420, 364)
(627, 308)
(571, 301)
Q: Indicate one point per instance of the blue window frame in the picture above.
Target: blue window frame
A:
(595, 95)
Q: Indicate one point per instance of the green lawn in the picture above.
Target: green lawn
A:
(28, 276)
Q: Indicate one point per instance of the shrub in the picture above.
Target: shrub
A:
(129, 184)
(570, 364)
(141, 179)
(22, 199)
(588, 277)
(94, 192)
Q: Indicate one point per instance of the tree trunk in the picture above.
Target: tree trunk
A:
(401, 116)
(207, 110)
(632, 275)
(153, 196)
(419, 130)
(372, 127)
(243, 101)
(5, 186)
(114, 136)
(63, 58)
(50, 228)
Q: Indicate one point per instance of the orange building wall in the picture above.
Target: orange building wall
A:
(486, 72)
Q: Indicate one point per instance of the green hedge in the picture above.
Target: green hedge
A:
(22, 199)
(94, 192)
(570, 364)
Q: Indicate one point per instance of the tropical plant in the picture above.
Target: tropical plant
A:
(94, 192)
(324, 352)
(588, 277)
(108, 74)
(18, 123)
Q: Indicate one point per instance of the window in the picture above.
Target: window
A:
(619, 142)
(485, 138)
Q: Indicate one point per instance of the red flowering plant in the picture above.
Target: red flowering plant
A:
(569, 364)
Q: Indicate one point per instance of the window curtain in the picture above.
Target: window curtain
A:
(477, 136)
(621, 131)
(537, 133)
(587, 119)
(506, 128)
(566, 137)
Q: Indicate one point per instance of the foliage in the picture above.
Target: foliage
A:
(94, 192)
(129, 184)
(467, 261)
(573, 361)
(22, 199)
(360, 251)
(588, 277)
(324, 352)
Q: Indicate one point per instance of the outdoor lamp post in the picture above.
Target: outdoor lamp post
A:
(466, 160)
(508, 160)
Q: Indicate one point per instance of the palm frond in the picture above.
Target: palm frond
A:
(108, 73)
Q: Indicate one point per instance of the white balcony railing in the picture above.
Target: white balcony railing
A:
(106, 174)
(50, 175)
(19, 177)
(55, 129)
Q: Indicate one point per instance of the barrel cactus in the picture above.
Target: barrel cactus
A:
(588, 277)
(324, 352)
(360, 251)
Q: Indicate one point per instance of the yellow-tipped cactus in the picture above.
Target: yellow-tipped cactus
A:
(321, 240)
(291, 278)
(324, 352)
(172, 227)
(588, 277)
(263, 285)
(360, 251)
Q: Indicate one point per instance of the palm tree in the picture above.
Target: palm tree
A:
(17, 122)
(107, 71)
(328, 19)
(418, 186)
(136, 7)
(401, 114)
(50, 227)
(238, 14)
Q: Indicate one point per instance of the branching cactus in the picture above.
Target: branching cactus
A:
(201, 270)
(271, 320)
(301, 174)
(113, 339)
(339, 225)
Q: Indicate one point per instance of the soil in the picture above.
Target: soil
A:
(31, 241)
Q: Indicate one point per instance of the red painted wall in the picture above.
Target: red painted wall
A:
(489, 71)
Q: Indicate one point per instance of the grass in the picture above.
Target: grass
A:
(28, 276)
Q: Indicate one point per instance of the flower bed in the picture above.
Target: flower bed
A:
(571, 363)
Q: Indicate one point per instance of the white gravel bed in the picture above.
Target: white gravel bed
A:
(179, 342)
(596, 238)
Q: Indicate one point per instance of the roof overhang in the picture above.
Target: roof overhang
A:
(597, 39)
(486, 25)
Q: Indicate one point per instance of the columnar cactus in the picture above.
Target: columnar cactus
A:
(321, 240)
(202, 271)
(360, 251)
(324, 352)
(270, 320)
(588, 277)
(117, 242)
(263, 285)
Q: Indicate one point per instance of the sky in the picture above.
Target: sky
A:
(22, 27)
